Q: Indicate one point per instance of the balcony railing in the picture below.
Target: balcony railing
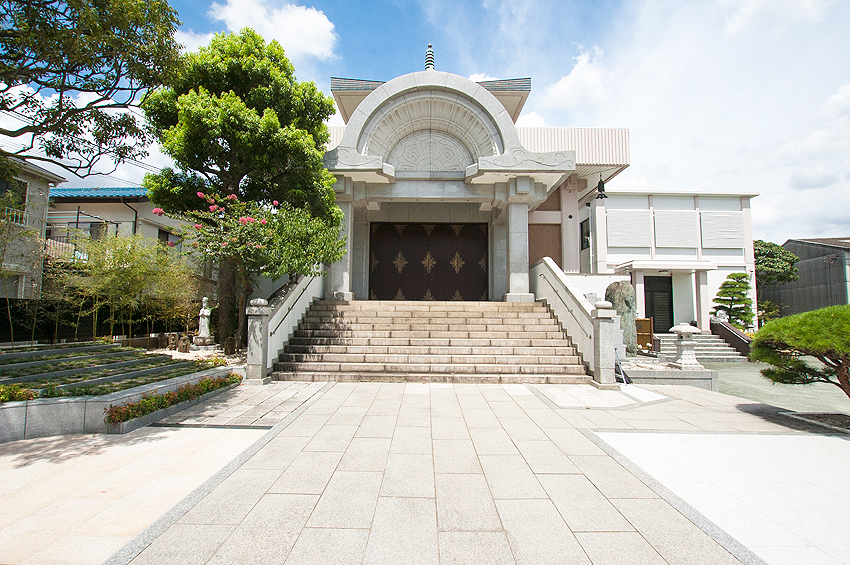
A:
(16, 216)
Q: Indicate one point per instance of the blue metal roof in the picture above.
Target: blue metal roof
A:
(98, 192)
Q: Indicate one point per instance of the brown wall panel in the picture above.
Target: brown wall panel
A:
(544, 240)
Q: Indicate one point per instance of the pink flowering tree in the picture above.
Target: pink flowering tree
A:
(273, 239)
(236, 121)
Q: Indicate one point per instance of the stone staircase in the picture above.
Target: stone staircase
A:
(708, 348)
(402, 341)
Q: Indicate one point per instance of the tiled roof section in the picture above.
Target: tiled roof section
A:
(99, 192)
(354, 84)
(843, 242)
(511, 84)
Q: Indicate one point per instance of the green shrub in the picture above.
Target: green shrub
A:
(152, 402)
(10, 393)
(823, 334)
(733, 297)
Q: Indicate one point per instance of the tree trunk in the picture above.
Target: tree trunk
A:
(228, 302)
(245, 292)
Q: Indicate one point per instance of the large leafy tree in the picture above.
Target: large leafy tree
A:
(774, 264)
(236, 121)
(790, 343)
(69, 72)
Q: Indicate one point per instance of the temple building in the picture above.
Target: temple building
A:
(446, 199)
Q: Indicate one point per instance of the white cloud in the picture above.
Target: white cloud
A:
(480, 77)
(191, 41)
(531, 120)
(585, 85)
(775, 14)
(303, 32)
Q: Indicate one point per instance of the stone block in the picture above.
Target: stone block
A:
(55, 416)
(12, 420)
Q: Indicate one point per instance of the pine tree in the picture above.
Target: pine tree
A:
(733, 297)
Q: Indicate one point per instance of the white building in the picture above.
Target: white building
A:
(445, 198)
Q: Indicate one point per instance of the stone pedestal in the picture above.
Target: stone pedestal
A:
(604, 330)
(685, 355)
(256, 370)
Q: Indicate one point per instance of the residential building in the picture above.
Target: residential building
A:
(22, 228)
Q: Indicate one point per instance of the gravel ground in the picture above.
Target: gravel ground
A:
(238, 359)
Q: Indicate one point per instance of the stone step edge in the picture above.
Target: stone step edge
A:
(430, 378)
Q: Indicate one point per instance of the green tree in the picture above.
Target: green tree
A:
(820, 334)
(21, 249)
(273, 240)
(124, 273)
(774, 265)
(237, 122)
(733, 297)
(69, 70)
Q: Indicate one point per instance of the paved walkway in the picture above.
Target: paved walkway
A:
(417, 473)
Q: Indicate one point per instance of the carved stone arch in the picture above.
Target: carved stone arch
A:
(429, 150)
(459, 118)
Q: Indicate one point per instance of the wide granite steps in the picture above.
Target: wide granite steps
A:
(429, 342)
(707, 348)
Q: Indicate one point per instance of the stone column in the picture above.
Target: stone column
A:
(640, 293)
(604, 330)
(598, 237)
(517, 224)
(703, 306)
(570, 243)
(258, 341)
(339, 274)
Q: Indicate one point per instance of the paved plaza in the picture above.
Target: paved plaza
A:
(436, 473)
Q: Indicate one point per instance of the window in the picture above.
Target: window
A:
(9, 286)
(584, 233)
(18, 189)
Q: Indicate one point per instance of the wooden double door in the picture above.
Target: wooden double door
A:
(428, 261)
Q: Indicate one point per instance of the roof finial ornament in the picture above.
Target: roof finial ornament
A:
(429, 58)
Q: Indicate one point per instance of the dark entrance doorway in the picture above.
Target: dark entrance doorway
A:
(428, 262)
(658, 293)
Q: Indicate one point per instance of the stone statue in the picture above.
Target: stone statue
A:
(204, 337)
(183, 344)
(621, 295)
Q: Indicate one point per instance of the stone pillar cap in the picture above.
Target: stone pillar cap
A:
(259, 302)
(603, 305)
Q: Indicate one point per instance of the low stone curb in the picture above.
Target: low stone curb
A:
(136, 423)
(84, 414)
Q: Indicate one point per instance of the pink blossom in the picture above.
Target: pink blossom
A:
(170, 244)
(198, 226)
(224, 244)
(232, 197)
(263, 221)
(213, 208)
(243, 220)
(251, 220)
(195, 244)
(201, 195)
(275, 202)
(158, 211)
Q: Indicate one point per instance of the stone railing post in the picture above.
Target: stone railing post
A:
(604, 337)
(258, 341)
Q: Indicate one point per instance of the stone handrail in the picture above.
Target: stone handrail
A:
(590, 326)
(270, 326)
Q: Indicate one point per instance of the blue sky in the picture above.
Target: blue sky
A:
(717, 94)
